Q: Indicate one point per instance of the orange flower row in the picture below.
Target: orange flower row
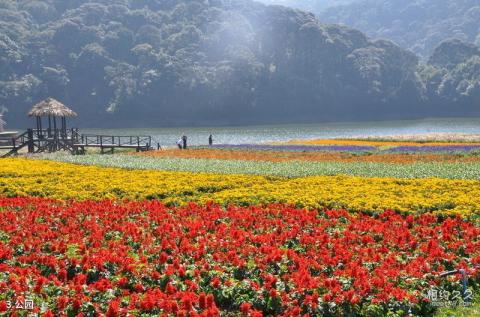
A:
(271, 156)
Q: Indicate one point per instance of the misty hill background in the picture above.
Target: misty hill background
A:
(316, 6)
(419, 25)
(173, 62)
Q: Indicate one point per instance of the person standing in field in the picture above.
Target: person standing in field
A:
(179, 143)
(210, 140)
(184, 139)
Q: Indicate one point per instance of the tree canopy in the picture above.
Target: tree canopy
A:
(418, 25)
(196, 62)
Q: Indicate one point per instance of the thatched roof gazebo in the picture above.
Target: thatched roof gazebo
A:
(52, 109)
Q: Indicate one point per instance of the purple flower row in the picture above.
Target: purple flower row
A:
(293, 147)
(348, 148)
(433, 149)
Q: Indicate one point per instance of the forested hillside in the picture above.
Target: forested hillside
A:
(419, 25)
(452, 77)
(173, 62)
(315, 6)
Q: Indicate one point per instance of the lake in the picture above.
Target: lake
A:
(275, 133)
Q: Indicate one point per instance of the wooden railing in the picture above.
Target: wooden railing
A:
(51, 133)
(49, 140)
(15, 143)
(115, 140)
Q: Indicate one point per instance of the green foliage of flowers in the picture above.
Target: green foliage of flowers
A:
(282, 169)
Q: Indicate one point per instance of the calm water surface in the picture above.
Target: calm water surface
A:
(275, 133)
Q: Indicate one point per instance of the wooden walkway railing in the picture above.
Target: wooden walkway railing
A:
(111, 142)
(38, 141)
(14, 144)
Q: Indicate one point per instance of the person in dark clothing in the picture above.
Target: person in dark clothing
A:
(210, 140)
(184, 139)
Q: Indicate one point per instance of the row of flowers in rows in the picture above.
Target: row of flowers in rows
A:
(23, 177)
(385, 143)
(290, 169)
(418, 148)
(318, 156)
(143, 258)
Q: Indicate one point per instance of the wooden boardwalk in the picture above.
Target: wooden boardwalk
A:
(41, 141)
(110, 143)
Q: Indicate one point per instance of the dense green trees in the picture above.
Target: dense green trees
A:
(452, 77)
(419, 25)
(159, 62)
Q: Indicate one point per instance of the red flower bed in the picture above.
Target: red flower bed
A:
(142, 258)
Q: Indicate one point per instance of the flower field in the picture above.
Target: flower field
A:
(469, 170)
(296, 147)
(25, 177)
(312, 156)
(145, 259)
(434, 149)
(416, 138)
(388, 146)
(267, 230)
(383, 143)
(429, 137)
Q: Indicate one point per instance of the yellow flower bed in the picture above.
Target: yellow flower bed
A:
(24, 177)
(367, 194)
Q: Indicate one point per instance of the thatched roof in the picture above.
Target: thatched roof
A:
(51, 107)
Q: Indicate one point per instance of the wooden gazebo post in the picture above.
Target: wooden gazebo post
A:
(39, 127)
(49, 126)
